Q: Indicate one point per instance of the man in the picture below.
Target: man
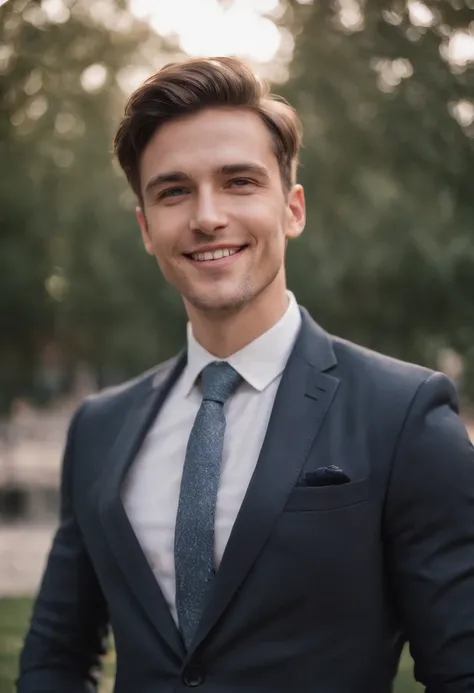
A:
(274, 509)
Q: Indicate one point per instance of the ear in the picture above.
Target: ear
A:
(143, 224)
(296, 208)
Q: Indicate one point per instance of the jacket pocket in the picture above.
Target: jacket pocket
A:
(306, 498)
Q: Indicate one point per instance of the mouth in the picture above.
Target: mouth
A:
(217, 257)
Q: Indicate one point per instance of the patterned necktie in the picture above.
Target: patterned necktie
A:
(194, 533)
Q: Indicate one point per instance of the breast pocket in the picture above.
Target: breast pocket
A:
(307, 498)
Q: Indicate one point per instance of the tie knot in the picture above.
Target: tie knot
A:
(219, 381)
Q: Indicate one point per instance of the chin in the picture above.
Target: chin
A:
(218, 305)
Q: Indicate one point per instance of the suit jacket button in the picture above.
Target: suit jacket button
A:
(193, 676)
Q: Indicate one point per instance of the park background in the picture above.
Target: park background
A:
(385, 89)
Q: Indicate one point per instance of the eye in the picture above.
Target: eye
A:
(172, 192)
(241, 182)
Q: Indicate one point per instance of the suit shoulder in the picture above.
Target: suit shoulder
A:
(375, 366)
(390, 388)
(124, 393)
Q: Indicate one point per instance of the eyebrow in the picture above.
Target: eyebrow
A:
(244, 167)
(162, 178)
(228, 169)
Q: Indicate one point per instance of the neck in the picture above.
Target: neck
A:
(223, 335)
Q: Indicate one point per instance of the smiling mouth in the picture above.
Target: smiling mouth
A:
(213, 255)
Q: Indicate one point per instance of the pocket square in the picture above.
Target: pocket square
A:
(325, 476)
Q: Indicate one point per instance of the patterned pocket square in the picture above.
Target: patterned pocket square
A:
(325, 476)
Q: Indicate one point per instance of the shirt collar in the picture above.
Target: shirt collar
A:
(260, 362)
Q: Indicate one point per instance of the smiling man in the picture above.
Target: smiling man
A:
(219, 202)
(274, 509)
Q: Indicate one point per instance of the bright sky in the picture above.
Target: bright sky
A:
(245, 28)
(207, 27)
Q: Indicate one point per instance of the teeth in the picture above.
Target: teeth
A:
(214, 255)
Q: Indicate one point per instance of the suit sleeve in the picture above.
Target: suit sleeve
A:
(69, 624)
(430, 538)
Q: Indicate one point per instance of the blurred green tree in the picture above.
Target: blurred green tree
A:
(386, 93)
(385, 89)
(72, 271)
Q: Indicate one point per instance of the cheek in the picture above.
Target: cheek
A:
(263, 219)
(256, 207)
(164, 233)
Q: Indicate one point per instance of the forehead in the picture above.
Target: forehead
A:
(197, 143)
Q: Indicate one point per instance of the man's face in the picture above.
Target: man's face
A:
(215, 214)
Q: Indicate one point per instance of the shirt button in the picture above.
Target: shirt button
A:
(193, 676)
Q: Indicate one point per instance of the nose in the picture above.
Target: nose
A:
(208, 215)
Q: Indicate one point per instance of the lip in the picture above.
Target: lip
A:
(215, 246)
(221, 262)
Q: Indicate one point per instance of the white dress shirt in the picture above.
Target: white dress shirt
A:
(151, 489)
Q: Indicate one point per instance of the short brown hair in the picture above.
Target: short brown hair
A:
(184, 88)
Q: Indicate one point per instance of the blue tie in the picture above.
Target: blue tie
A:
(194, 533)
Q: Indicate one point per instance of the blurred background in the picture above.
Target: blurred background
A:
(385, 89)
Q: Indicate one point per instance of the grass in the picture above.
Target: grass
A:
(14, 616)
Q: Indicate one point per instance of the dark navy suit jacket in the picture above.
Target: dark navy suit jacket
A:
(319, 586)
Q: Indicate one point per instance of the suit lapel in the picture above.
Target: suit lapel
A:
(303, 398)
(122, 539)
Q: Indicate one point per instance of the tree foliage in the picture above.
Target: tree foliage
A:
(388, 171)
(385, 89)
(72, 270)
